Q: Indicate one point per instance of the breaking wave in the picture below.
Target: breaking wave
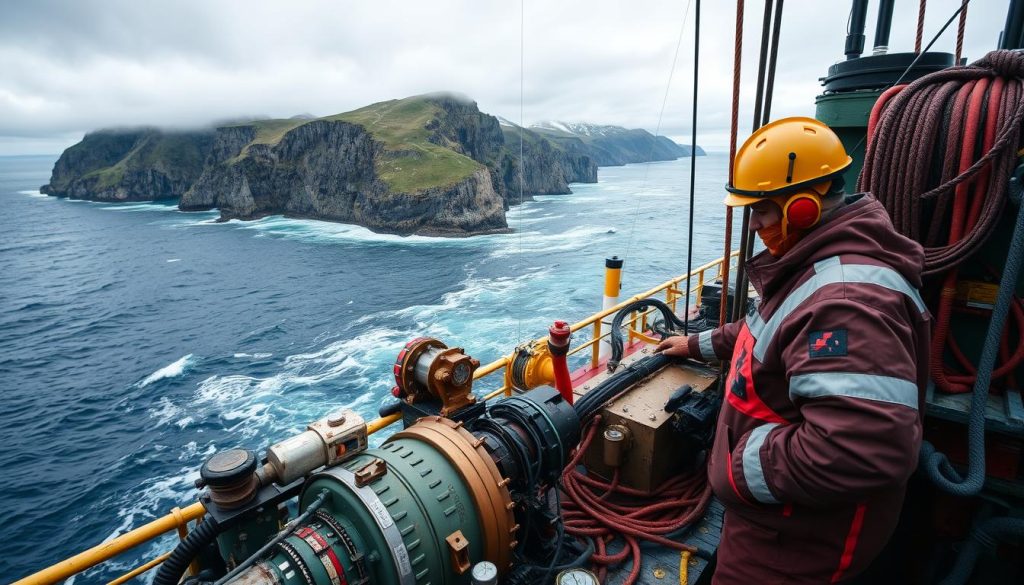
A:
(172, 370)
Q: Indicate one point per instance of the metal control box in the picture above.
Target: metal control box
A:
(651, 454)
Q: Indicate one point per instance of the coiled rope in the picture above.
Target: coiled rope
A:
(940, 154)
(606, 511)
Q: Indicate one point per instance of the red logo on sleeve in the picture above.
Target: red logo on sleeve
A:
(830, 343)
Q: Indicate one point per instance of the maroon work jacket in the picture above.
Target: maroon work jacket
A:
(821, 422)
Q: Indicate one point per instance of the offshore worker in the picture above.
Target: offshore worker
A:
(821, 421)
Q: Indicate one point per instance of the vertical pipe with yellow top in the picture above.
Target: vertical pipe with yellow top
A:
(612, 286)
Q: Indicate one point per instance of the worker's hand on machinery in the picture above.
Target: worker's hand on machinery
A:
(677, 346)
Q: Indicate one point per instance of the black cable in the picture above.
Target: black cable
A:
(619, 382)
(769, 86)
(693, 166)
(174, 567)
(615, 337)
(313, 507)
(561, 527)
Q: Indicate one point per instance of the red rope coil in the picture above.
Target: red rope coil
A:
(608, 512)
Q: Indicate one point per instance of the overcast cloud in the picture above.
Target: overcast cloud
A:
(73, 66)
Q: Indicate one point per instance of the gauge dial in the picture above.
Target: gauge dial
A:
(461, 373)
(576, 577)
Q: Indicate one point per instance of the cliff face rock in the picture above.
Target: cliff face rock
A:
(130, 165)
(550, 167)
(326, 170)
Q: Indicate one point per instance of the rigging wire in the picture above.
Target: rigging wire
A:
(960, 33)
(693, 165)
(657, 132)
(762, 107)
(920, 26)
(723, 315)
(522, 160)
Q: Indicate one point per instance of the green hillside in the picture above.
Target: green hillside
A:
(411, 162)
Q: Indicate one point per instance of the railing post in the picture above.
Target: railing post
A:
(700, 286)
(612, 286)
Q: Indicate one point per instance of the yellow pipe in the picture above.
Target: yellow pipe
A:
(375, 425)
(505, 389)
(107, 550)
(140, 570)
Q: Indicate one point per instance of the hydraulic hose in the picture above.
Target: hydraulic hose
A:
(936, 464)
(983, 536)
(558, 346)
(174, 567)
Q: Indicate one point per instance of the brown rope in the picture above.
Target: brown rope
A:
(913, 161)
(723, 314)
(960, 32)
(920, 25)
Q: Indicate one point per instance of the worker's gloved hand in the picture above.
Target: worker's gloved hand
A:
(677, 346)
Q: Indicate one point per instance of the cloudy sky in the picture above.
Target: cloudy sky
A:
(67, 67)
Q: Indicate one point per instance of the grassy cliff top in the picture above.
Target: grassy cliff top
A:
(410, 162)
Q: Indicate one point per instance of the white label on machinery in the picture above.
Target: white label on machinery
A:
(381, 512)
(402, 555)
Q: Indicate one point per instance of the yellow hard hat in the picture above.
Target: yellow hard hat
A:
(784, 157)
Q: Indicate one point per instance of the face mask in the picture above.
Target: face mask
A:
(775, 242)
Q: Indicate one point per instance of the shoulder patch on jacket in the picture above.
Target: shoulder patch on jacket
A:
(829, 343)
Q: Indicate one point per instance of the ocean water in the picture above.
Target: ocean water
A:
(136, 340)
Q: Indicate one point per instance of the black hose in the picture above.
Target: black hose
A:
(940, 471)
(301, 518)
(174, 567)
(616, 340)
(983, 536)
(595, 399)
(558, 540)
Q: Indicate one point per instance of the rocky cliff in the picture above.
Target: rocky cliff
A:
(482, 137)
(549, 166)
(130, 165)
(327, 169)
(432, 164)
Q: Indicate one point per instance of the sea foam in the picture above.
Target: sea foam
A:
(173, 370)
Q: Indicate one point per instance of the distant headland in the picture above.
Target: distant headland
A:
(430, 165)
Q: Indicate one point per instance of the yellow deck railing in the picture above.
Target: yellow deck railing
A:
(179, 518)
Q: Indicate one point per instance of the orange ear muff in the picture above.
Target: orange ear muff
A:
(802, 211)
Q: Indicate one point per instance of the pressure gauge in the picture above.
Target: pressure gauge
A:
(461, 373)
(576, 577)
